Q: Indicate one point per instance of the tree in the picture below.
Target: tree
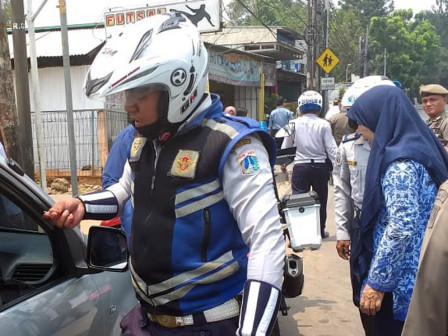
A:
(345, 30)
(412, 48)
(439, 19)
(8, 114)
(7, 11)
(442, 6)
(366, 9)
(286, 13)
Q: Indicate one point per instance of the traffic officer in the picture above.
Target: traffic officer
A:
(348, 180)
(314, 144)
(433, 103)
(205, 226)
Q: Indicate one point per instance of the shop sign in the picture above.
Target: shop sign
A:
(231, 68)
(205, 14)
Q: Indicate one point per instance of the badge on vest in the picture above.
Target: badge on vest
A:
(248, 162)
(136, 148)
(184, 164)
(338, 159)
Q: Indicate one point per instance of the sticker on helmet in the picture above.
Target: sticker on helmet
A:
(178, 77)
(184, 164)
(248, 162)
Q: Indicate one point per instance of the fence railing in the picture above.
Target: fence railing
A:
(94, 131)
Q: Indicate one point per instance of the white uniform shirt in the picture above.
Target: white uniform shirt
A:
(312, 138)
(349, 174)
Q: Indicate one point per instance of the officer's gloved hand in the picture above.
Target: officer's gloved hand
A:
(259, 308)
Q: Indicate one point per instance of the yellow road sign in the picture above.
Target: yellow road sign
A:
(327, 60)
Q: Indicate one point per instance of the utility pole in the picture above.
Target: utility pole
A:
(22, 86)
(385, 62)
(30, 16)
(8, 115)
(68, 96)
(366, 54)
(309, 55)
(327, 33)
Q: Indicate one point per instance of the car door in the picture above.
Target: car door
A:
(45, 286)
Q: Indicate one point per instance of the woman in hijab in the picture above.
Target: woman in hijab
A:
(406, 166)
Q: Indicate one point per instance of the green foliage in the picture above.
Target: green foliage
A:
(439, 19)
(271, 102)
(7, 9)
(412, 48)
(366, 9)
(345, 30)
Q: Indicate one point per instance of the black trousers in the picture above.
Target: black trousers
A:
(307, 175)
(383, 322)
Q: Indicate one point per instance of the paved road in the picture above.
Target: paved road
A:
(325, 307)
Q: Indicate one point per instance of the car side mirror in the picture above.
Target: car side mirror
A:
(107, 249)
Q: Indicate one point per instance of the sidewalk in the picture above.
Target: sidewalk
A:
(325, 307)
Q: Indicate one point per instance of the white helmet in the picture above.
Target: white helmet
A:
(163, 53)
(361, 86)
(310, 101)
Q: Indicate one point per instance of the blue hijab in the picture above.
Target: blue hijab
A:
(400, 133)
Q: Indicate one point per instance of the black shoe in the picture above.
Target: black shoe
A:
(325, 234)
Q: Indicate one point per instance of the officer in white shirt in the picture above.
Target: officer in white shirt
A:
(348, 179)
(314, 143)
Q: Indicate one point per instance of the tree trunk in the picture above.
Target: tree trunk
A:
(8, 114)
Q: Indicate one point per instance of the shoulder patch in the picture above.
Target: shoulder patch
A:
(240, 144)
(248, 162)
(350, 137)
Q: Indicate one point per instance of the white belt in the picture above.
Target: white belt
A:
(224, 311)
(309, 161)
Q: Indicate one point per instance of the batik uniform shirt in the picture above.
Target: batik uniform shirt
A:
(408, 194)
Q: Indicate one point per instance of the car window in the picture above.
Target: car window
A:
(26, 254)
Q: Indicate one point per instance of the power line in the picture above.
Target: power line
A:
(256, 17)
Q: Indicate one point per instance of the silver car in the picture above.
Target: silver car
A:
(47, 283)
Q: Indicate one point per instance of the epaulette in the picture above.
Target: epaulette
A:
(350, 137)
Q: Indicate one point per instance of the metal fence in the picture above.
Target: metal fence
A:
(94, 132)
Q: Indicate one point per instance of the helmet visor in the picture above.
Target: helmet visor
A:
(134, 95)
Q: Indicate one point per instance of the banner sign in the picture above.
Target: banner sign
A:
(205, 14)
(232, 68)
(269, 72)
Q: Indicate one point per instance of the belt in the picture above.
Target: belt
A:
(310, 161)
(224, 311)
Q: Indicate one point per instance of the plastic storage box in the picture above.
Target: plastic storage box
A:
(302, 215)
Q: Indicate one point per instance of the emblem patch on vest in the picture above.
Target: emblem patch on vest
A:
(184, 164)
(338, 159)
(136, 148)
(248, 162)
